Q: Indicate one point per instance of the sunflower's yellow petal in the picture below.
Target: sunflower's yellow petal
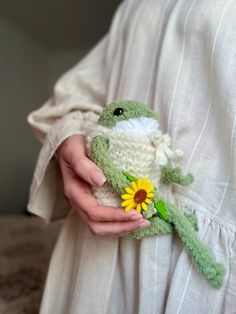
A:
(139, 183)
(144, 206)
(148, 201)
(127, 209)
(126, 196)
(127, 202)
(144, 185)
(145, 180)
(130, 206)
(129, 190)
(138, 207)
(134, 186)
(148, 184)
(149, 195)
(150, 189)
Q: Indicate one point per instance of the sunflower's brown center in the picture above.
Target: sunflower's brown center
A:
(140, 196)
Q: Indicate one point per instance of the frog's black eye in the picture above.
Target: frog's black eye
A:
(118, 112)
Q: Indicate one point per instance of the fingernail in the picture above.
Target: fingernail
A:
(136, 216)
(98, 178)
(144, 224)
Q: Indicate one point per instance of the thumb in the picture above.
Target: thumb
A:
(73, 152)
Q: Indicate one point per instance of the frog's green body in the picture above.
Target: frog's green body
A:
(115, 116)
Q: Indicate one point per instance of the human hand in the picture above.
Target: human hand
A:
(79, 174)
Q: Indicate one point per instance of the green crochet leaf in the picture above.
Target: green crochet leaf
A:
(161, 209)
(129, 177)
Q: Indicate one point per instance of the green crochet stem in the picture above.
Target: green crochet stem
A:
(183, 224)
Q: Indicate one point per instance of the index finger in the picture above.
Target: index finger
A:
(102, 213)
(81, 196)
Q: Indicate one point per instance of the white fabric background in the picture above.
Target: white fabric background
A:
(179, 57)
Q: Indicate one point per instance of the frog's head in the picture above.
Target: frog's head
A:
(131, 117)
(122, 110)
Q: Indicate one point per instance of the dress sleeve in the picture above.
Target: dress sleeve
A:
(77, 100)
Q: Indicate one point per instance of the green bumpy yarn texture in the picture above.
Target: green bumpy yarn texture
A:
(202, 257)
(184, 224)
(174, 175)
(100, 155)
(132, 109)
(159, 226)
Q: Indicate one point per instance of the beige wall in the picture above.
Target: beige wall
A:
(61, 61)
(28, 73)
(23, 87)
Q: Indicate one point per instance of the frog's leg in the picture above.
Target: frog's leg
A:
(160, 227)
(100, 155)
(157, 227)
(174, 175)
(202, 257)
(192, 219)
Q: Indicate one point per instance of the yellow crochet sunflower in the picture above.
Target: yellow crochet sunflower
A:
(138, 195)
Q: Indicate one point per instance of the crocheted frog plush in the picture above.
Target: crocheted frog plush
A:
(136, 158)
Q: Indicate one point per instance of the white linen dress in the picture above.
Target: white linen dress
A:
(178, 56)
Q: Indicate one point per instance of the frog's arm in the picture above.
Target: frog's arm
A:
(174, 175)
(100, 155)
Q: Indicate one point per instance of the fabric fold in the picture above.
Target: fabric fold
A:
(47, 194)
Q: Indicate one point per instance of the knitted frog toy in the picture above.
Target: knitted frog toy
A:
(136, 158)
